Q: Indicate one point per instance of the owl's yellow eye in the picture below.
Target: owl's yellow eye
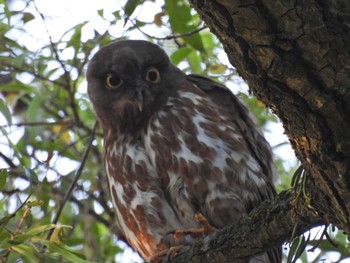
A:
(113, 81)
(153, 75)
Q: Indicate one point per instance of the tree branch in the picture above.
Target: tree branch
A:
(77, 175)
(267, 226)
(27, 69)
(173, 36)
(66, 75)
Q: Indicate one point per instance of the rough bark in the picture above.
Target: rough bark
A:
(294, 55)
(268, 226)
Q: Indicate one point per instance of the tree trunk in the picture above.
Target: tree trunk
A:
(294, 55)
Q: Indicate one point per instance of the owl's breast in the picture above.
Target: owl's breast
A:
(142, 210)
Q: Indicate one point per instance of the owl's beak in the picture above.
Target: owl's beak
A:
(139, 106)
(139, 99)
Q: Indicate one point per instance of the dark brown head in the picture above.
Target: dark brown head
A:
(128, 81)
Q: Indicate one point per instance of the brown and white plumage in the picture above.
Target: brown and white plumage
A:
(175, 145)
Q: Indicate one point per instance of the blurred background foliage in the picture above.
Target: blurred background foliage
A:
(54, 206)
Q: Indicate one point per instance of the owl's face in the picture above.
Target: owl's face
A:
(128, 81)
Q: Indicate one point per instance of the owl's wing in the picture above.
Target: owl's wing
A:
(258, 145)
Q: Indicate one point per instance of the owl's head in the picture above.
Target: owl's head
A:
(128, 81)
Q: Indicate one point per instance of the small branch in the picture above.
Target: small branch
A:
(38, 123)
(77, 176)
(11, 192)
(266, 227)
(173, 36)
(70, 89)
(79, 203)
(86, 58)
(7, 160)
(19, 226)
(53, 47)
(18, 209)
(29, 71)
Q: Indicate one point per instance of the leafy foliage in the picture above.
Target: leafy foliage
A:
(54, 203)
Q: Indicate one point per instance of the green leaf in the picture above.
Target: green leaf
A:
(3, 29)
(179, 15)
(296, 249)
(292, 250)
(100, 13)
(31, 176)
(217, 69)
(3, 177)
(5, 111)
(17, 86)
(195, 41)
(181, 21)
(130, 6)
(34, 112)
(34, 203)
(4, 220)
(26, 251)
(66, 252)
(27, 17)
(18, 61)
(75, 40)
(37, 230)
(4, 237)
(195, 62)
(301, 248)
(8, 13)
(28, 220)
(116, 14)
(58, 234)
(180, 55)
(296, 176)
(18, 239)
(208, 40)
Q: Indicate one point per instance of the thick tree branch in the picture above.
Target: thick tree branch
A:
(270, 225)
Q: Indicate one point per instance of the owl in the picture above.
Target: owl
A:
(182, 155)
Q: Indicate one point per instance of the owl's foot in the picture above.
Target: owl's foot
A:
(196, 232)
(168, 254)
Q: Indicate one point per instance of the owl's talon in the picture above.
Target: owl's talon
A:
(207, 228)
(195, 232)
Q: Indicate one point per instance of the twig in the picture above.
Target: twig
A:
(19, 226)
(11, 192)
(68, 87)
(37, 123)
(19, 208)
(86, 58)
(19, 69)
(89, 210)
(7, 160)
(169, 37)
(77, 175)
(4, 257)
(173, 36)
